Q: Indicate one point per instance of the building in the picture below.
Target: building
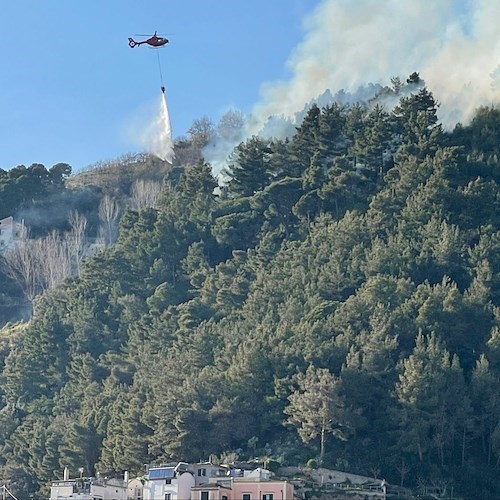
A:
(244, 489)
(10, 232)
(260, 485)
(206, 481)
(89, 488)
(135, 489)
(206, 472)
(168, 483)
(212, 491)
(181, 481)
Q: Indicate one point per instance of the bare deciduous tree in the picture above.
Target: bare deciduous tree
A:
(55, 260)
(145, 194)
(230, 127)
(22, 264)
(109, 212)
(403, 469)
(201, 132)
(38, 264)
(77, 239)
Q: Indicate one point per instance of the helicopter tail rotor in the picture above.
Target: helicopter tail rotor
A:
(132, 43)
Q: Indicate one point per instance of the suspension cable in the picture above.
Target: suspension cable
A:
(159, 67)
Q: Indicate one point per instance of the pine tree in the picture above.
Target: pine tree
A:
(306, 140)
(317, 407)
(249, 167)
(485, 399)
(433, 410)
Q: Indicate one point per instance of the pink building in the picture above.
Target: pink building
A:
(206, 481)
(211, 491)
(246, 489)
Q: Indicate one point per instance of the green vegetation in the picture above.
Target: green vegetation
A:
(339, 300)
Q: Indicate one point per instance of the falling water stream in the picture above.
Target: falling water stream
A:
(165, 141)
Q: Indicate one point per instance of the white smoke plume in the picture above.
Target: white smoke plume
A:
(453, 44)
(157, 138)
(353, 47)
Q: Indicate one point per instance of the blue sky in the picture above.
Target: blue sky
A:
(71, 89)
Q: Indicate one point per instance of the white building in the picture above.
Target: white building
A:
(135, 489)
(168, 483)
(207, 472)
(206, 481)
(10, 231)
(89, 488)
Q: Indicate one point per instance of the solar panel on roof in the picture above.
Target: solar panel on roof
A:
(163, 473)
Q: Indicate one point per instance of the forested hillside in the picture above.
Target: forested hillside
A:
(337, 300)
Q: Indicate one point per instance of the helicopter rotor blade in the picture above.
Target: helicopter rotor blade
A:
(157, 34)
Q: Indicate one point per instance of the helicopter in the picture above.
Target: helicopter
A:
(154, 41)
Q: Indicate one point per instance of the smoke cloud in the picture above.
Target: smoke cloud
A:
(351, 49)
(453, 44)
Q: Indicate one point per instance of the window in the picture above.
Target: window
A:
(204, 495)
(168, 481)
(202, 472)
(224, 497)
(267, 496)
(246, 496)
(168, 496)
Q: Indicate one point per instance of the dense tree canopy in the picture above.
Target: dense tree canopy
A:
(343, 283)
